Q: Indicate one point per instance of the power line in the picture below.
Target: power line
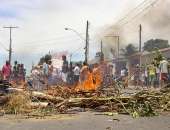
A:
(133, 10)
(3, 46)
(138, 14)
(50, 48)
(52, 39)
(54, 43)
(46, 43)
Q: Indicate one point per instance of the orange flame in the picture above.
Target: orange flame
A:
(89, 80)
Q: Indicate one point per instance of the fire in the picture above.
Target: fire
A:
(97, 77)
(89, 80)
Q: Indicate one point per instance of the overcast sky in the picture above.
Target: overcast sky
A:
(41, 24)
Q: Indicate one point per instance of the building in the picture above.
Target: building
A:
(144, 58)
(119, 64)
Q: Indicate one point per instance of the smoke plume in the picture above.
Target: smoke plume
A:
(155, 21)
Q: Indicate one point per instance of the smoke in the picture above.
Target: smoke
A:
(159, 16)
(155, 22)
(110, 41)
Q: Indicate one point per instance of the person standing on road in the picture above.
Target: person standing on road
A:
(76, 74)
(86, 78)
(45, 72)
(97, 78)
(22, 73)
(146, 74)
(6, 71)
(64, 69)
(163, 71)
(83, 72)
(15, 72)
(50, 72)
(70, 75)
(157, 76)
(152, 75)
(35, 79)
(123, 73)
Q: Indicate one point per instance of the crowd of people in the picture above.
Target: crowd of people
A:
(15, 73)
(78, 75)
(83, 75)
(41, 76)
(88, 77)
(156, 74)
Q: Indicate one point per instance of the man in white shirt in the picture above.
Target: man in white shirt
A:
(123, 72)
(45, 72)
(163, 71)
(76, 73)
(64, 69)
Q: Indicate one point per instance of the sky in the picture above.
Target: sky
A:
(41, 26)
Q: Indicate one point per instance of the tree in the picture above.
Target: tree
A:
(45, 58)
(129, 50)
(150, 45)
(157, 56)
(42, 59)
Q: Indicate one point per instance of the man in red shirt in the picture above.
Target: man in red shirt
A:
(6, 71)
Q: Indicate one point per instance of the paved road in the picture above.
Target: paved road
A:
(87, 121)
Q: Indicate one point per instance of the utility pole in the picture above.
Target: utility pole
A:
(140, 43)
(101, 46)
(118, 54)
(101, 50)
(118, 48)
(10, 44)
(87, 43)
(140, 38)
(70, 57)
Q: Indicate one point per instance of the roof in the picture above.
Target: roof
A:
(119, 60)
(93, 61)
(147, 53)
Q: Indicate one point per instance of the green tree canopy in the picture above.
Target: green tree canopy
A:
(150, 45)
(45, 58)
(129, 50)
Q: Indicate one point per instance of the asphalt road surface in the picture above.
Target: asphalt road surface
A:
(86, 121)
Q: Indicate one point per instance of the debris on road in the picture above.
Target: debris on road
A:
(143, 103)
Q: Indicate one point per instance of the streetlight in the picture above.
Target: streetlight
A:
(78, 34)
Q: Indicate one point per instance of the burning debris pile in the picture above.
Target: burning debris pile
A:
(61, 100)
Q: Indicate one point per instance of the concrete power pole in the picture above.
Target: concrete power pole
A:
(10, 44)
(101, 46)
(101, 49)
(118, 47)
(87, 43)
(140, 43)
(140, 38)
